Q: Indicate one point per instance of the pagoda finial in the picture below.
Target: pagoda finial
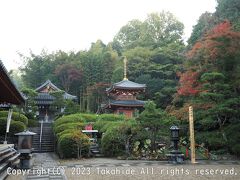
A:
(125, 68)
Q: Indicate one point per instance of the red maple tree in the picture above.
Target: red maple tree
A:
(189, 85)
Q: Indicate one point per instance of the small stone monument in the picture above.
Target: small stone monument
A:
(25, 148)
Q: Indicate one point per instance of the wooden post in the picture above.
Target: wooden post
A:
(80, 100)
(192, 139)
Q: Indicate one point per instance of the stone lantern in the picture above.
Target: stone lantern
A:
(175, 156)
(25, 148)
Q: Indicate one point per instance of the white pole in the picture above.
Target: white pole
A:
(8, 124)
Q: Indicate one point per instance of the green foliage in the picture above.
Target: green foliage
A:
(59, 100)
(32, 123)
(89, 117)
(233, 137)
(205, 22)
(228, 9)
(213, 140)
(71, 107)
(157, 30)
(112, 143)
(103, 126)
(29, 108)
(15, 127)
(67, 144)
(111, 117)
(15, 116)
(62, 127)
(82, 142)
(155, 120)
(68, 119)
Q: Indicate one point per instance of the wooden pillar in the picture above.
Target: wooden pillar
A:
(192, 138)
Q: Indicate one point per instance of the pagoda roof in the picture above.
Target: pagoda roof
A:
(9, 92)
(126, 84)
(126, 103)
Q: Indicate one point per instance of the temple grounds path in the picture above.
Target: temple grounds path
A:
(112, 169)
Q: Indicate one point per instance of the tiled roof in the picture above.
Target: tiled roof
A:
(44, 99)
(9, 92)
(126, 84)
(69, 96)
(48, 83)
(127, 103)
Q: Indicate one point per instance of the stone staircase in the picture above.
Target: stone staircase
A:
(47, 139)
(8, 158)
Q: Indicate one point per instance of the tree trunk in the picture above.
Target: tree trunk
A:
(127, 146)
(78, 152)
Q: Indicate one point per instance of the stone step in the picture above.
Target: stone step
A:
(6, 156)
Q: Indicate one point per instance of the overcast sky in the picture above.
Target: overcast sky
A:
(74, 24)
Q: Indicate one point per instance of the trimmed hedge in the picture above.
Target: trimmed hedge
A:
(89, 117)
(67, 145)
(32, 123)
(15, 116)
(62, 127)
(103, 126)
(112, 143)
(15, 127)
(65, 126)
(85, 118)
(67, 119)
(111, 117)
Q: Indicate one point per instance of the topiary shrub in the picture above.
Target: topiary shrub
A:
(32, 123)
(66, 126)
(15, 127)
(103, 126)
(15, 116)
(111, 117)
(66, 131)
(68, 144)
(67, 119)
(112, 143)
(89, 117)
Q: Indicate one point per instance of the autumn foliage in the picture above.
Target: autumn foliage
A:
(67, 75)
(189, 85)
(219, 44)
(218, 40)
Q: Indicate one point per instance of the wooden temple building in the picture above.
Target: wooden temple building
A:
(122, 96)
(44, 100)
(9, 94)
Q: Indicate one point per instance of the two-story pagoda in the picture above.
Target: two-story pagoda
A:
(122, 96)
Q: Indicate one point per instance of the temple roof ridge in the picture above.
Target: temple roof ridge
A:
(48, 82)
